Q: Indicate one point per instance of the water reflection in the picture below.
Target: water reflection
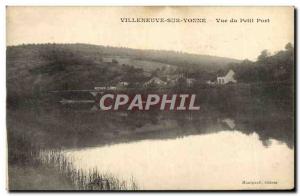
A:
(232, 141)
(68, 128)
(218, 160)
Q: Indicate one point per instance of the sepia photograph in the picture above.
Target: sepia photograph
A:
(150, 98)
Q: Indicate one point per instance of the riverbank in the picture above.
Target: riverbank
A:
(31, 168)
(36, 178)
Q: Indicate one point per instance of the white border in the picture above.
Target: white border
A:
(4, 3)
(152, 2)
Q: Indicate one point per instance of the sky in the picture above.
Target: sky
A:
(103, 26)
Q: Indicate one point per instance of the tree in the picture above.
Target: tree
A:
(289, 46)
(263, 55)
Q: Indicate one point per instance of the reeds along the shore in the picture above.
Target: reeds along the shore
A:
(91, 180)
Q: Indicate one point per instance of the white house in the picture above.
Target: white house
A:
(229, 77)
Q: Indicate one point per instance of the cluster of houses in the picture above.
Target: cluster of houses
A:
(173, 80)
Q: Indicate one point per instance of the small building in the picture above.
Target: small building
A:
(111, 88)
(229, 77)
(155, 81)
(190, 81)
(179, 78)
(109, 60)
(209, 82)
(230, 123)
(123, 84)
(100, 88)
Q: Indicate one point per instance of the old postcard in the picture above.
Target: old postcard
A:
(150, 98)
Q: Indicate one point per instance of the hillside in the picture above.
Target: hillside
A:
(36, 68)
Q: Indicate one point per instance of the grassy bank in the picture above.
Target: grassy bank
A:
(81, 180)
(31, 168)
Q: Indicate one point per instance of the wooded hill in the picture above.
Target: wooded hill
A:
(38, 68)
(35, 68)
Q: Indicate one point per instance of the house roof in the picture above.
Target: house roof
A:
(222, 73)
